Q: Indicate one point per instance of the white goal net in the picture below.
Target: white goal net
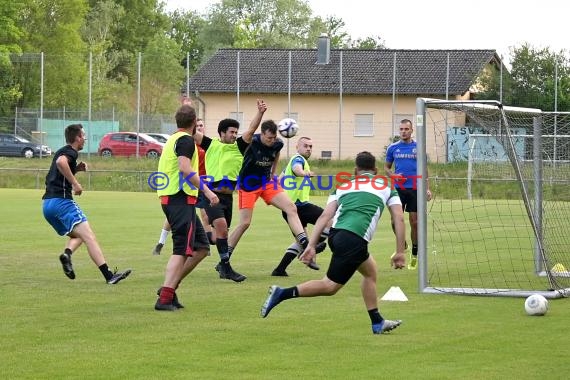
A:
(500, 176)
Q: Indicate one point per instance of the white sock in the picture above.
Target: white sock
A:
(163, 236)
(295, 248)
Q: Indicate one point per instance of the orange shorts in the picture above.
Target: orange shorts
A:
(247, 199)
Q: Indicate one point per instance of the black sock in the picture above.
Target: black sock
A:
(106, 272)
(68, 251)
(302, 239)
(375, 316)
(290, 254)
(289, 293)
(230, 251)
(287, 259)
(414, 249)
(222, 245)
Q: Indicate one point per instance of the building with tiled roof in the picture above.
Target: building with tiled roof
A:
(346, 100)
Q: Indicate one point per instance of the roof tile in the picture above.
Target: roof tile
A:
(364, 72)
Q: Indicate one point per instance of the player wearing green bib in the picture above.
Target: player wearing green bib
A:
(224, 157)
(355, 208)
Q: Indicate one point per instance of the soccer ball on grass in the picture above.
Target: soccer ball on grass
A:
(288, 128)
(536, 305)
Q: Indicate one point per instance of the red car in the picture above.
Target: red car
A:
(125, 144)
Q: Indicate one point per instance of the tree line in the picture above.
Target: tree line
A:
(105, 37)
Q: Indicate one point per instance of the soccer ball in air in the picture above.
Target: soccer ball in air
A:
(536, 305)
(288, 128)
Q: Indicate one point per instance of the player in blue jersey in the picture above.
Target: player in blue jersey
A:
(403, 156)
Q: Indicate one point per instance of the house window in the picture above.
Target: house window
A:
(363, 125)
(237, 116)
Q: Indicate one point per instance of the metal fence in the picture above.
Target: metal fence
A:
(92, 180)
(58, 90)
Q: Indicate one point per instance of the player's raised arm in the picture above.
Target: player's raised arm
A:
(248, 134)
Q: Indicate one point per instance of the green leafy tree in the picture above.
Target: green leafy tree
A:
(53, 27)
(534, 72)
(10, 31)
(370, 42)
(275, 24)
(494, 84)
(10, 91)
(186, 29)
(258, 24)
(136, 27)
(10, 34)
(531, 81)
(161, 75)
(332, 27)
(99, 32)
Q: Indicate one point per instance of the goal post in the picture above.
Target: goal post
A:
(500, 178)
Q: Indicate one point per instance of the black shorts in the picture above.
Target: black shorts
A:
(188, 234)
(202, 201)
(349, 251)
(221, 210)
(409, 199)
(308, 213)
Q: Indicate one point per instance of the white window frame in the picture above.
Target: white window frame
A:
(363, 125)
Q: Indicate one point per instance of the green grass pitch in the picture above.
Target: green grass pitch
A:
(55, 328)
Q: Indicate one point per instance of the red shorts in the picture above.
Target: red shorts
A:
(247, 199)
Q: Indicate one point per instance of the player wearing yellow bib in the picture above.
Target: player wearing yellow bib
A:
(296, 181)
(224, 158)
(179, 163)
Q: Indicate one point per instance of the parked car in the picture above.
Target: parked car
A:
(13, 145)
(125, 144)
(160, 137)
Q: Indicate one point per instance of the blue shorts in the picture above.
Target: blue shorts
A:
(63, 214)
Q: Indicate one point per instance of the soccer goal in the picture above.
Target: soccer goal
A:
(498, 223)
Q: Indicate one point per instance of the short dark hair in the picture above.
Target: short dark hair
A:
(269, 125)
(185, 117)
(72, 131)
(225, 124)
(407, 121)
(365, 161)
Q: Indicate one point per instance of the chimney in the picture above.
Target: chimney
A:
(324, 50)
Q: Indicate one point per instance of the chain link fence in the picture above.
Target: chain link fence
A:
(55, 91)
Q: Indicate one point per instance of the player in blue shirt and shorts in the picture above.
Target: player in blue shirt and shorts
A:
(403, 155)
